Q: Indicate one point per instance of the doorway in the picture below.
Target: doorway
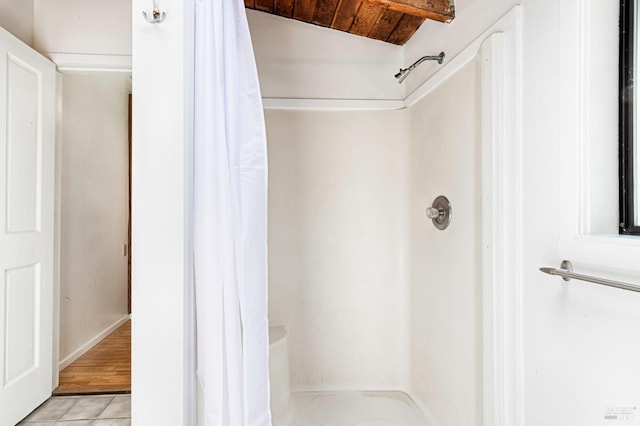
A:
(94, 196)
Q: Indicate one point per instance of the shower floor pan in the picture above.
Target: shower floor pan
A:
(380, 408)
(313, 408)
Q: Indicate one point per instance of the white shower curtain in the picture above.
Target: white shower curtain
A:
(229, 222)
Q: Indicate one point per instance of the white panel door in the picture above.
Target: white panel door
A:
(27, 136)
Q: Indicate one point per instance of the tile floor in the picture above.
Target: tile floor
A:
(86, 410)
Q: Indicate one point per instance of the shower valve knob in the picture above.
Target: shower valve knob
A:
(433, 213)
(440, 212)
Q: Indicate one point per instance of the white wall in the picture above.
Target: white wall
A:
(445, 276)
(294, 59)
(577, 358)
(337, 258)
(298, 60)
(473, 17)
(161, 352)
(16, 16)
(83, 26)
(94, 206)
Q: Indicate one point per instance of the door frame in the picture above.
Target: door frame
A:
(57, 227)
(130, 144)
(61, 68)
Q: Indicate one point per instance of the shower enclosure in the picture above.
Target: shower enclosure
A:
(382, 310)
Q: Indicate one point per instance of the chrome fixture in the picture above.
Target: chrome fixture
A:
(440, 212)
(404, 72)
(156, 16)
(566, 272)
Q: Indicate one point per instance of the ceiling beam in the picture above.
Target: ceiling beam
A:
(437, 10)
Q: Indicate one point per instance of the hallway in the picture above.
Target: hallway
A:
(106, 368)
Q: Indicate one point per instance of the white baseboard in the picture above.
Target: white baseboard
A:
(91, 343)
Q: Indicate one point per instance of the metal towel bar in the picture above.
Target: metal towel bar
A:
(566, 272)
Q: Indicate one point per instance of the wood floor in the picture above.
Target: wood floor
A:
(106, 368)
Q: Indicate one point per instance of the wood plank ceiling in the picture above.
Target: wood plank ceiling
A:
(392, 21)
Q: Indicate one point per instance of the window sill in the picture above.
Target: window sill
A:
(603, 250)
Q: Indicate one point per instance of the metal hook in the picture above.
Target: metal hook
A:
(156, 16)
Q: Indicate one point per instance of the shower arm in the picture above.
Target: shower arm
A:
(439, 58)
(404, 72)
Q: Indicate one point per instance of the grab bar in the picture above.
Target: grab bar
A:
(566, 272)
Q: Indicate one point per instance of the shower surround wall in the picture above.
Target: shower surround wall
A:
(445, 278)
(337, 252)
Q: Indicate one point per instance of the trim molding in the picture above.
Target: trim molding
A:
(77, 62)
(91, 343)
(57, 232)
(502, 277)
(333, 104)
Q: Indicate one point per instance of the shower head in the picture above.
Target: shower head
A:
(404, 72)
